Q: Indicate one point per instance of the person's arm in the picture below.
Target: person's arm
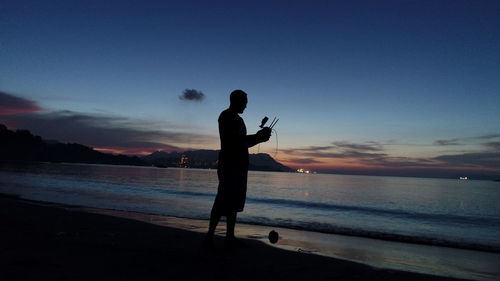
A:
(262, 135)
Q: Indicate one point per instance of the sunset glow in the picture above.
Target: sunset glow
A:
(409, 88)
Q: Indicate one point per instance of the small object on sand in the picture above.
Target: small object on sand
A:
(273, 236)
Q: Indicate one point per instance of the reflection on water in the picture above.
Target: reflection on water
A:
(459, 213)
(448, 212)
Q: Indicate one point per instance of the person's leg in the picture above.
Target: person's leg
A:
(231, 241)
(231, 223)
(214, 220)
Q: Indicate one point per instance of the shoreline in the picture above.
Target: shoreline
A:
(383, 254)
(44, 240)
(419, 238)
(293, 171)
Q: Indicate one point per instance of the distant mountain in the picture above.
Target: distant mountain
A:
(264, 162)
(208, 159)
(195, 159)
(21, 145)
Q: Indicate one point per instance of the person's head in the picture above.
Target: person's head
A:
(238, 100)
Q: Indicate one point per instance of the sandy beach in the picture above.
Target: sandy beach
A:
(43, 242)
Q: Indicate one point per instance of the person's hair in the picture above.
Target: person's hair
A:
(237, 95)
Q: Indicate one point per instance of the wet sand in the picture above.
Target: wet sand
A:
(426, 259)
(44, 242)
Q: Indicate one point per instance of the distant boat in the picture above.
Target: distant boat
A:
(464, 178)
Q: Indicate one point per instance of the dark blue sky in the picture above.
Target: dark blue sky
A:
(414, 80)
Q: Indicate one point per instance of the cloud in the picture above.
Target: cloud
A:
(342, 150)
(371, 156)
(370, 146)
(347, 155)
(303, 161)
(10, 105)
(461, 141)
(479, 159)
(106, 132)
(310, 149)
(487, 137)
(192, 95)
(447, 142)
(401, 162)
(493, 145)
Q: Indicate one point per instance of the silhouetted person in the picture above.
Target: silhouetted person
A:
(232, 168)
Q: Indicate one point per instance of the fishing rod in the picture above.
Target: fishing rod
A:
(273, 123)
(264, 121)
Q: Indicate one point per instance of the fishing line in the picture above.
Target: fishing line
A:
(263, 122)
(276, 150)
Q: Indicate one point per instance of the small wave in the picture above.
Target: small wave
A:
(302, 225)
(419, 216)
(183, 192)
(332, 229)
(395, 213)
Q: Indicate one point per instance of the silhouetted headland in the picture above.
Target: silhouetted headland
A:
(22, 145)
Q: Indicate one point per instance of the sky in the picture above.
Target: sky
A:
(389, 87)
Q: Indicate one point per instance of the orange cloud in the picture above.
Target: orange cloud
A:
(11, 105)
(140, 151)
(372, 159)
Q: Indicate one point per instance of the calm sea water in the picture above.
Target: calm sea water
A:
(454, 213)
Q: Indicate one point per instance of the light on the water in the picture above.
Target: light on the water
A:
(303, 171)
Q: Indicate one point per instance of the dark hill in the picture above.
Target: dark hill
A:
(21, 145)
(208, 159)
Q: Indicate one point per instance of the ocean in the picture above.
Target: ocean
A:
(443, 212)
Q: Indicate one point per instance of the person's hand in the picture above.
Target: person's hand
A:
(264, 134)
